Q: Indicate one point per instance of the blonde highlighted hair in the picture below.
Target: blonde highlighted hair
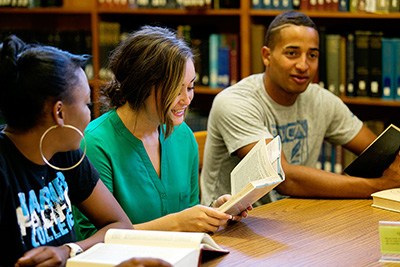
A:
(152, 57)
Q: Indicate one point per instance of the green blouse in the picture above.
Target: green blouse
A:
(126, 170)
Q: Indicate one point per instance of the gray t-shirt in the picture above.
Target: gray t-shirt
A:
(244, 113)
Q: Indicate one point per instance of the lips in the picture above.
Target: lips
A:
(300, 79)
(178, 112)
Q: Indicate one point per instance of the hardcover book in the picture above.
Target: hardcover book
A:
(377, 157)
(387, 199)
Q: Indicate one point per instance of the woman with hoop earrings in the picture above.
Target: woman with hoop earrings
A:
(44, 101)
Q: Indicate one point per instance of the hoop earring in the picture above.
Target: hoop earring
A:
(44, 158)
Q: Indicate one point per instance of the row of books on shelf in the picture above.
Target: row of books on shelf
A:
(31, 3)
(371, 6)
(216, 55)
(335, 159)
(171, 4)
(362, 63)
(354, 64)
(76, 42)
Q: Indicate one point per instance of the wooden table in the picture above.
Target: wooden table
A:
(305, 232)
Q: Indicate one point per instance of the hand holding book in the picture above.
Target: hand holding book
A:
(257, 173)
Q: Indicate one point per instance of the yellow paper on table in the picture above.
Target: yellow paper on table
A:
(389, 233)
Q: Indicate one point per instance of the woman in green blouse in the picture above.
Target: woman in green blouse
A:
(145, 153)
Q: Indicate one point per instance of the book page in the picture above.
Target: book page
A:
(209, 244)
(154, 238)
(256, 165)
(103, 254)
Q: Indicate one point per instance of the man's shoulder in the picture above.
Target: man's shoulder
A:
(244, 88)
(314, 90)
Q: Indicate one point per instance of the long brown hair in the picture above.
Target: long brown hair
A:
(152, 57)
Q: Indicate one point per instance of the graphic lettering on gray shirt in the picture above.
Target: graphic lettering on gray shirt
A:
(294, 134)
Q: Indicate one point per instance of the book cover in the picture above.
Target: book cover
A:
(388, 68)
(377, 157)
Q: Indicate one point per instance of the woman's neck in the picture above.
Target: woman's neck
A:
(27, 143)
(139, 123)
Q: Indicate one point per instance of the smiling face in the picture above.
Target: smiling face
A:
(292, 63)
(182, 102)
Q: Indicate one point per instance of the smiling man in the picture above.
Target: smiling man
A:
(283, 101)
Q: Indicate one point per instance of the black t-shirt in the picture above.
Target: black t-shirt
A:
(35, 200)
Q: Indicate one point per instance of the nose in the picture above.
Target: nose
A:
(186, 97)
(302, 63)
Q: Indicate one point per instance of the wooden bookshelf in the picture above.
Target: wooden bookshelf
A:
(368, 101)
(86, 15)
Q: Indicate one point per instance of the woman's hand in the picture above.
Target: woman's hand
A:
(44, 256)
(224, 198)
(200, 219)
(144, 262)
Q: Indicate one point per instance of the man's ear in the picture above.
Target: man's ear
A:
(58, 113)
(266, 55)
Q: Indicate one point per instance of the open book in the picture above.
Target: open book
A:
(257, 173)
(178, 248)
(377, 157)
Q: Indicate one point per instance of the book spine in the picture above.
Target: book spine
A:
(361, 62)
(375, 64)
(332, 62)
(394, 6)
(388, 75)
(266, 4)
(343, 5)
(322, 59)
(223, 66)
(256, 4)
(350, 66)
(342, 66)
(214, 45)
(257, 42)
(233, 42)
(396, 68)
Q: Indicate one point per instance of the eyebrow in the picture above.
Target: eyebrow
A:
(297, 47)
(194, 78)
